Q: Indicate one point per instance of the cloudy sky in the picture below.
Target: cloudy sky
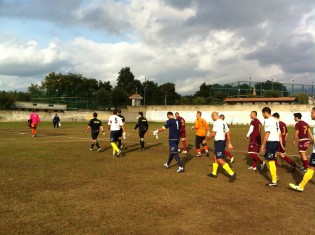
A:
(182, 41)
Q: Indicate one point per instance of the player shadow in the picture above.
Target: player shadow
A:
(133, 148)
(187, 158)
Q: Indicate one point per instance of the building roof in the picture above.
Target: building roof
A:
(136, 97)
(278, 99)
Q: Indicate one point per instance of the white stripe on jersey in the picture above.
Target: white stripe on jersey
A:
(115, 123)
(221, 128)
(272, 126)
(314, 137)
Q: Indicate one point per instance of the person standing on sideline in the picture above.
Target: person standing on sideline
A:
(303, 132)
(182, 132)
(114, 125)
(310, 171)
(284, 135)
(143, 126)
(56, 121)
(219, 132)
(173, 139)
(35, 120)
(254, 136)
(120, 146)
(272, 139)
(226, 152)
(95, 125)
(201, 127)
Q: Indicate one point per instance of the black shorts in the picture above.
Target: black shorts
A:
(120, 133)
(114, 136)
(271, 149)
(173, 146)
(142, 133)
(312, 160)
(219, 147)
(199, 140)
(94, 135)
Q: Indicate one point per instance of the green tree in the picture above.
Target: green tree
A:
(272, 94)
(120, 97)
(104, 98)
(302, 98)
(35, 91)
(199, 101)
(151, 92)
(6, 100)
(126, 81)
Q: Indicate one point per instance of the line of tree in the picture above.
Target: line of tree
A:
(81, 92)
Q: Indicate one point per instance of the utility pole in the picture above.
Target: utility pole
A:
(145, 79)
(165, 97)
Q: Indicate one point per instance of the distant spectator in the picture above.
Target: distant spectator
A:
(56, 121)
(34, 120)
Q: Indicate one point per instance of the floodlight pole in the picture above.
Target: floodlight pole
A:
(165, 97)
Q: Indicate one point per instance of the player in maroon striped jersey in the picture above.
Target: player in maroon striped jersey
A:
(303, 132)
(182, 131)
(226, 152)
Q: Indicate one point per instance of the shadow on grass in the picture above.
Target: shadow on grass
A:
(133, 148)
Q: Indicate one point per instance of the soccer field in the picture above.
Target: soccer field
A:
(53, 184)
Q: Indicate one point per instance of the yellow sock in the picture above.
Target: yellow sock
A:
(273, 171)
(115, 148)
(308, 175)
(228, 169)
(215, 168)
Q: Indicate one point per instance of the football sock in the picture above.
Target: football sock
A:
(305, 163)
(177, 158)
(276, 161)
(228, 169)
(198, 150)
(142, 144)
(115, 148)
(170, 159)
(307, 176)
(227, 153)
(205, 147)
(92, 146)
(273, 171)
(184, 144)
(288, 160)
(97, 145)
(255, 159)
(33, 131)
(215, 168)
(119, 143)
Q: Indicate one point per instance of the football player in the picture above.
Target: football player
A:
(95, 125)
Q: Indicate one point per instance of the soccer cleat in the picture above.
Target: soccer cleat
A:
(91, 149)
(179, 150)
(271, 184)
(262, 165)
(304, 169)
(184, 151)
(252, 168)
(99, 150)
(212, 175)
(198, 155)
(207, 153)
(180, 169)
(166, 165)
(118, 153)
(232, 159)
(232, 178)
(293, 167)
(296, 187)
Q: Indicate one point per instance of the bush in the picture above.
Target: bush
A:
(302, 98)
(272, 94)
(6, 100)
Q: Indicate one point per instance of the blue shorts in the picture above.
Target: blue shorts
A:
(271, 149)
(219, 147)
(173, 145)
(312, 160)
(114, 136)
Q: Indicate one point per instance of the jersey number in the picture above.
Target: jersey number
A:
(305, 129)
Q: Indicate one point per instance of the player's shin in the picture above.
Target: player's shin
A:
(170, 159)
(115, 148)
(215, 168)
(307, 177)
(273, 171)
(228, 169)
(177, 158)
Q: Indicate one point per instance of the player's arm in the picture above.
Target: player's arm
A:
(137, 125)
(263, 145)
(212, 134)
(196, 126)
(102, 129)
(250, 131)
(230, 146)
(87, 129)
(296, 134)
(310, 134)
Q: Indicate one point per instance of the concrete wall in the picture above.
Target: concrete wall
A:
(236, 114)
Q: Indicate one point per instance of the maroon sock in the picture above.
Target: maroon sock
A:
(255, 159)
(305, 163)
(276, 161)
(288, 160)
(184, 144)
(227, 153)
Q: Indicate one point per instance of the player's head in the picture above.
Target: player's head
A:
(177, 114)
(170, 115)
(253, 114)
(222, 117)
(313, 113)
(215, 116)
(94, 114)
(198, 114)
(266, 112)
(115, 112)
(118, 111)
(140, 114)
(297, 116)
(56, 115)
(276, 115)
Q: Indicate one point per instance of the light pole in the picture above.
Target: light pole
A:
(165, 97)
(250, 85)
(145, 79)
(271, 84)
(292, 86)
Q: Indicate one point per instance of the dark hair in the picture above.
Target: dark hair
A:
(255, 112)
(297, 115)
(276, 115)
(115, 112)
(199, 113)
(266, 110)
(177, 113)
(170, 113)
(118, 110)
(313, 108)
(94, 114)
(222, 115)
(141, 114)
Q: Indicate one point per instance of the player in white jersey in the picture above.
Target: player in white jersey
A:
(219, 131)
(115, 123)
(270, 143)
(310, 170)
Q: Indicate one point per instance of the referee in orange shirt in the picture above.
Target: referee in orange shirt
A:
(201, 127)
